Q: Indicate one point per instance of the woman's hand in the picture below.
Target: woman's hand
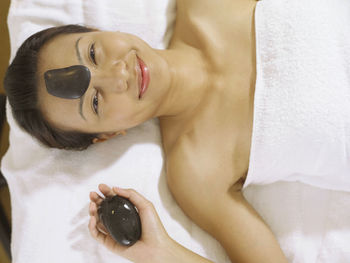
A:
(154, 239)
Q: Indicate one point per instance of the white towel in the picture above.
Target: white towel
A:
(302, 98)
(311, 224)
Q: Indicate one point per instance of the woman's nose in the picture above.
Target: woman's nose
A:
(114, 78)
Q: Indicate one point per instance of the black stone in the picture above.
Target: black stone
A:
(68, 83)
(121, 219)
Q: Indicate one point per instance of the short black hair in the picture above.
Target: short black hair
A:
(21, 86)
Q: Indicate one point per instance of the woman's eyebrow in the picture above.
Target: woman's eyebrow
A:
(77, 50)
(81, 100)
(81, 107)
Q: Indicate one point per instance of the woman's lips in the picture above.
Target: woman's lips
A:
(145, 77)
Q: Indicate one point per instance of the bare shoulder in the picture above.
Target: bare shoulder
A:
(216, 8)
(203, 5)
(212, 26)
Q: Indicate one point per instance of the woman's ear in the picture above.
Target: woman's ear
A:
(105, 136)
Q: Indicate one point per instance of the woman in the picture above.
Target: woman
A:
(202, 90)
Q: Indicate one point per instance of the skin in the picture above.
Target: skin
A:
(202, 90)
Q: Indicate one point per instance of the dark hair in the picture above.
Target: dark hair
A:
(21, 85)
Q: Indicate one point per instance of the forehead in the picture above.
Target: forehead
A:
(58, 53)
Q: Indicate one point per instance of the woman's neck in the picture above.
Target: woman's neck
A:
(189, 81)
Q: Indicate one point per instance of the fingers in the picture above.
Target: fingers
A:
(95, 233)
(94, 197)
(96, 201)
(92, 209)
(102, 238)
(93, 213)
(152, 228)
(96, 228)
(140, 202)
(137, 199)
(106, 190)
(101, 228)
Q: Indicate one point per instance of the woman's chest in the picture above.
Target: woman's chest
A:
(218, 134)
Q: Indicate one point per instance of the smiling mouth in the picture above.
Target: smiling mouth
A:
(144, 77)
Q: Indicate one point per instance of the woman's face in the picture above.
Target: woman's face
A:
(112, 100)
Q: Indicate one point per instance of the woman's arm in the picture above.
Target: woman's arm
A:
(204, 191)
(155, 244)
(235, 224)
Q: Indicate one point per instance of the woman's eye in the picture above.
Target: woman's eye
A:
(92, 53)
(95, 103)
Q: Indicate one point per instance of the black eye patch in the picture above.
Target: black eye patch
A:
(68, 83)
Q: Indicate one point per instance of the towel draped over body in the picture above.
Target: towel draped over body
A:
(301, 129)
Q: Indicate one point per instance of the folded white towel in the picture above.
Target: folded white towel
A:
(302, 98)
